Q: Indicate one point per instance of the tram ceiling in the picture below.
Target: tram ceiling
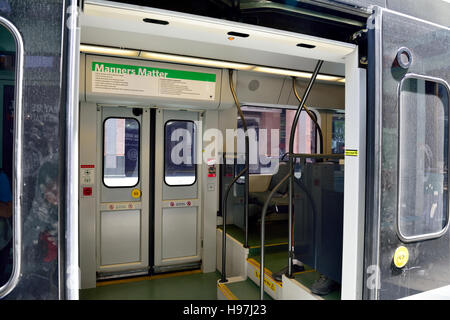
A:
(110, 24)
(305, 16)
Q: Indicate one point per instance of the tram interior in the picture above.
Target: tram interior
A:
(150, 227)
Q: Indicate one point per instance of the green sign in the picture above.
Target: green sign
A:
(152, 72)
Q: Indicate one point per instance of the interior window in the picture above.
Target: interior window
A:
(7, 77)
(338, 133)
(278, 119)
(121, 152)
(423, 158)
(180, 167)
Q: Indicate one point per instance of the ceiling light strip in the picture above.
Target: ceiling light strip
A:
(204, 62)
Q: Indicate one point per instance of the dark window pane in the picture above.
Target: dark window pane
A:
(7, 77)
(338, 133)
(180, 167)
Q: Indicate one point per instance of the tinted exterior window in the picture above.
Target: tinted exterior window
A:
(7, 77)
(423, 158)
(179, 153)
(121, 152)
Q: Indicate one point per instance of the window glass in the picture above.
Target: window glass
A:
(180, 167)
(277, 122)
(121, 152)
(338, 133)
(423, 158)
(7, 91)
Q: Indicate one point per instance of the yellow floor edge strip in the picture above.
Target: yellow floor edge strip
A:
(270, 245)
(267, 272)
(257, 265)
(226, 292)
(144, 278)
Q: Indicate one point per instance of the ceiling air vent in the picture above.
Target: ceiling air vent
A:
(238, 34)
(156, 21)
(305, 45)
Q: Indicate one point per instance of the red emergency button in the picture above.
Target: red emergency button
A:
(172, 204)
(87, 191)
(188, 203)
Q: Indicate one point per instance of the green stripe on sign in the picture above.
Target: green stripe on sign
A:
(152, 72)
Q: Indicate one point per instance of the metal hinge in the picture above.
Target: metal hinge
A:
(360, 38)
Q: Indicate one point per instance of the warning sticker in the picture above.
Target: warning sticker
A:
(115, 78)
(351, 152)
(268, 283)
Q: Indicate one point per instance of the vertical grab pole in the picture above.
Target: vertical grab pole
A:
(263, 219)
(246, 191)
(291, 159)
(247, 157)
(224, 225)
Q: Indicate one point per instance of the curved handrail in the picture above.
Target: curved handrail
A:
(246, 190)
(247, 156)
(263, 217)
(310, 113)
(289, 176)
(224, 224)
(291, 159)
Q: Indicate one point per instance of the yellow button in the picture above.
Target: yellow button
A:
(136, 193)
(401, 257)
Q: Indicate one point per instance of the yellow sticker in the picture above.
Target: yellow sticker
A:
(352, 153)
(401, 257)
(266, 282)
(136, 193)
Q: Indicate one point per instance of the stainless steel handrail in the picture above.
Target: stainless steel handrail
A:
(319, 155)
(291, 159)
(289, 176)
(310, 114)
(247, 157)
(246, 190)
(263, 217)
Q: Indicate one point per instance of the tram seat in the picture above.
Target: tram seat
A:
(280, 198)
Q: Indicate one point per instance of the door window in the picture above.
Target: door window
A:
(423, 158)
(121, 152)
(179, 153)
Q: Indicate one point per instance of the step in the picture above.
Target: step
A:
(276, 258)
(271, 286)
(238, 288)
(275, 234)
(299, 288)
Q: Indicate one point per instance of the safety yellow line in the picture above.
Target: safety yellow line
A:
(256, 264)
(226, 292)
(144, 278)
(306, 271)
(267, 272)
(271, 245)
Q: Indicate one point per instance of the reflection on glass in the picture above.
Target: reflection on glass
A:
(121, 152)
(338, 133)
(423, 157)
(259, 119)
(7, 77)
(180, 167)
